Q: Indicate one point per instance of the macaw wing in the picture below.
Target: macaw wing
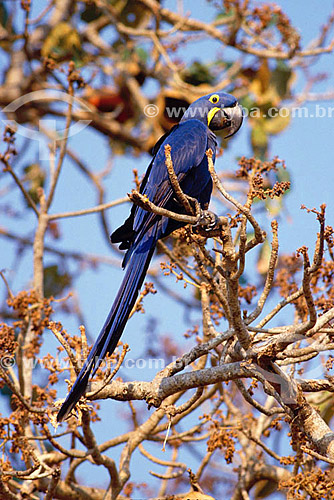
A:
(188, 142)
(125, 233)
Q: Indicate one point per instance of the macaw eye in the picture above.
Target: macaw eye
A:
(214, 98)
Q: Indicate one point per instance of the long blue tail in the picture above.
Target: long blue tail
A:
(115, 322)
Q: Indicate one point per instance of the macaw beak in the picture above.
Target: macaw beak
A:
(228, 119)
(234, 119)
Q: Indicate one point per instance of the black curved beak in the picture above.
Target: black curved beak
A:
(228, 119)
(234, 118)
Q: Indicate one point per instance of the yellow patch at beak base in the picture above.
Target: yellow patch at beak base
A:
(211, 114)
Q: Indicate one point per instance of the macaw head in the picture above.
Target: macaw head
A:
(217, 111)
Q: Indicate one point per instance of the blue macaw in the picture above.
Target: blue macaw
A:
(189, 141)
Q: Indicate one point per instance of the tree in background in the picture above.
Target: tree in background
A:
(239, 394)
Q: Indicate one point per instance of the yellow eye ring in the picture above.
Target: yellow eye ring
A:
(214, 98)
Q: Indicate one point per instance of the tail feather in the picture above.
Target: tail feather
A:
(115, 322)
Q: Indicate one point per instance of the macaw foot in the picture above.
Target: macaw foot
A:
(208, 220)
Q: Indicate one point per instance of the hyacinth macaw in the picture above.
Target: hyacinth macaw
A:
(189, 141)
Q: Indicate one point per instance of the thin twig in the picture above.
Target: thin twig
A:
(86, 211)
(143, 202)
(269, 278)
(259, 234)
(174, 181)
(57, 333)
(62, 153)
(112, 374)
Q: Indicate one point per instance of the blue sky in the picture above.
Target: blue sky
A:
(306, 147)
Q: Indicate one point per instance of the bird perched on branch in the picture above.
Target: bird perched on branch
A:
(189, 141)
